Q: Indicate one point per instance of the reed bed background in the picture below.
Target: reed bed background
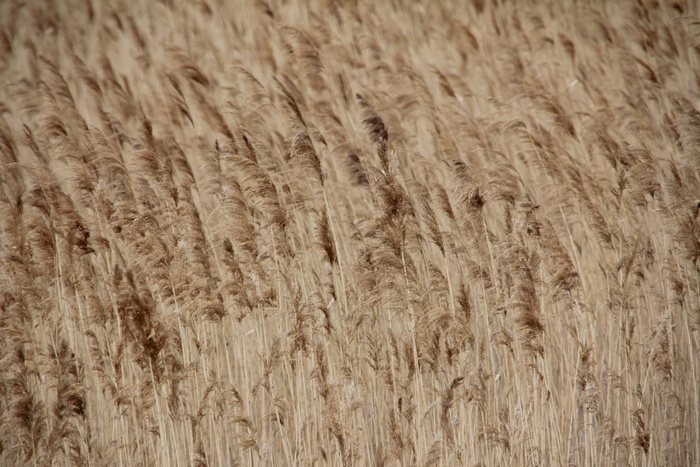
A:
(349, 233)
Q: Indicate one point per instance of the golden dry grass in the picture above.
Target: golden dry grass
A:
(349, 233)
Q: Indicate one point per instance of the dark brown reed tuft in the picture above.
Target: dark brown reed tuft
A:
(373, 122)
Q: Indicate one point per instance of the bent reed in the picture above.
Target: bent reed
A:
(349, 233)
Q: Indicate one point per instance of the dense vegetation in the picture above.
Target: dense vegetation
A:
(349, 233)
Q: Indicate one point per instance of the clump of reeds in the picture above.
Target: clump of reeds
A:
(361, 233)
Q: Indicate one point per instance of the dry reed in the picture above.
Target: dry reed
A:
(349, 233)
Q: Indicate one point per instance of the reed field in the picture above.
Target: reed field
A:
(349, 233)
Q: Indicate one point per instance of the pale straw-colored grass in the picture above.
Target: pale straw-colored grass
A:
(349, 233)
